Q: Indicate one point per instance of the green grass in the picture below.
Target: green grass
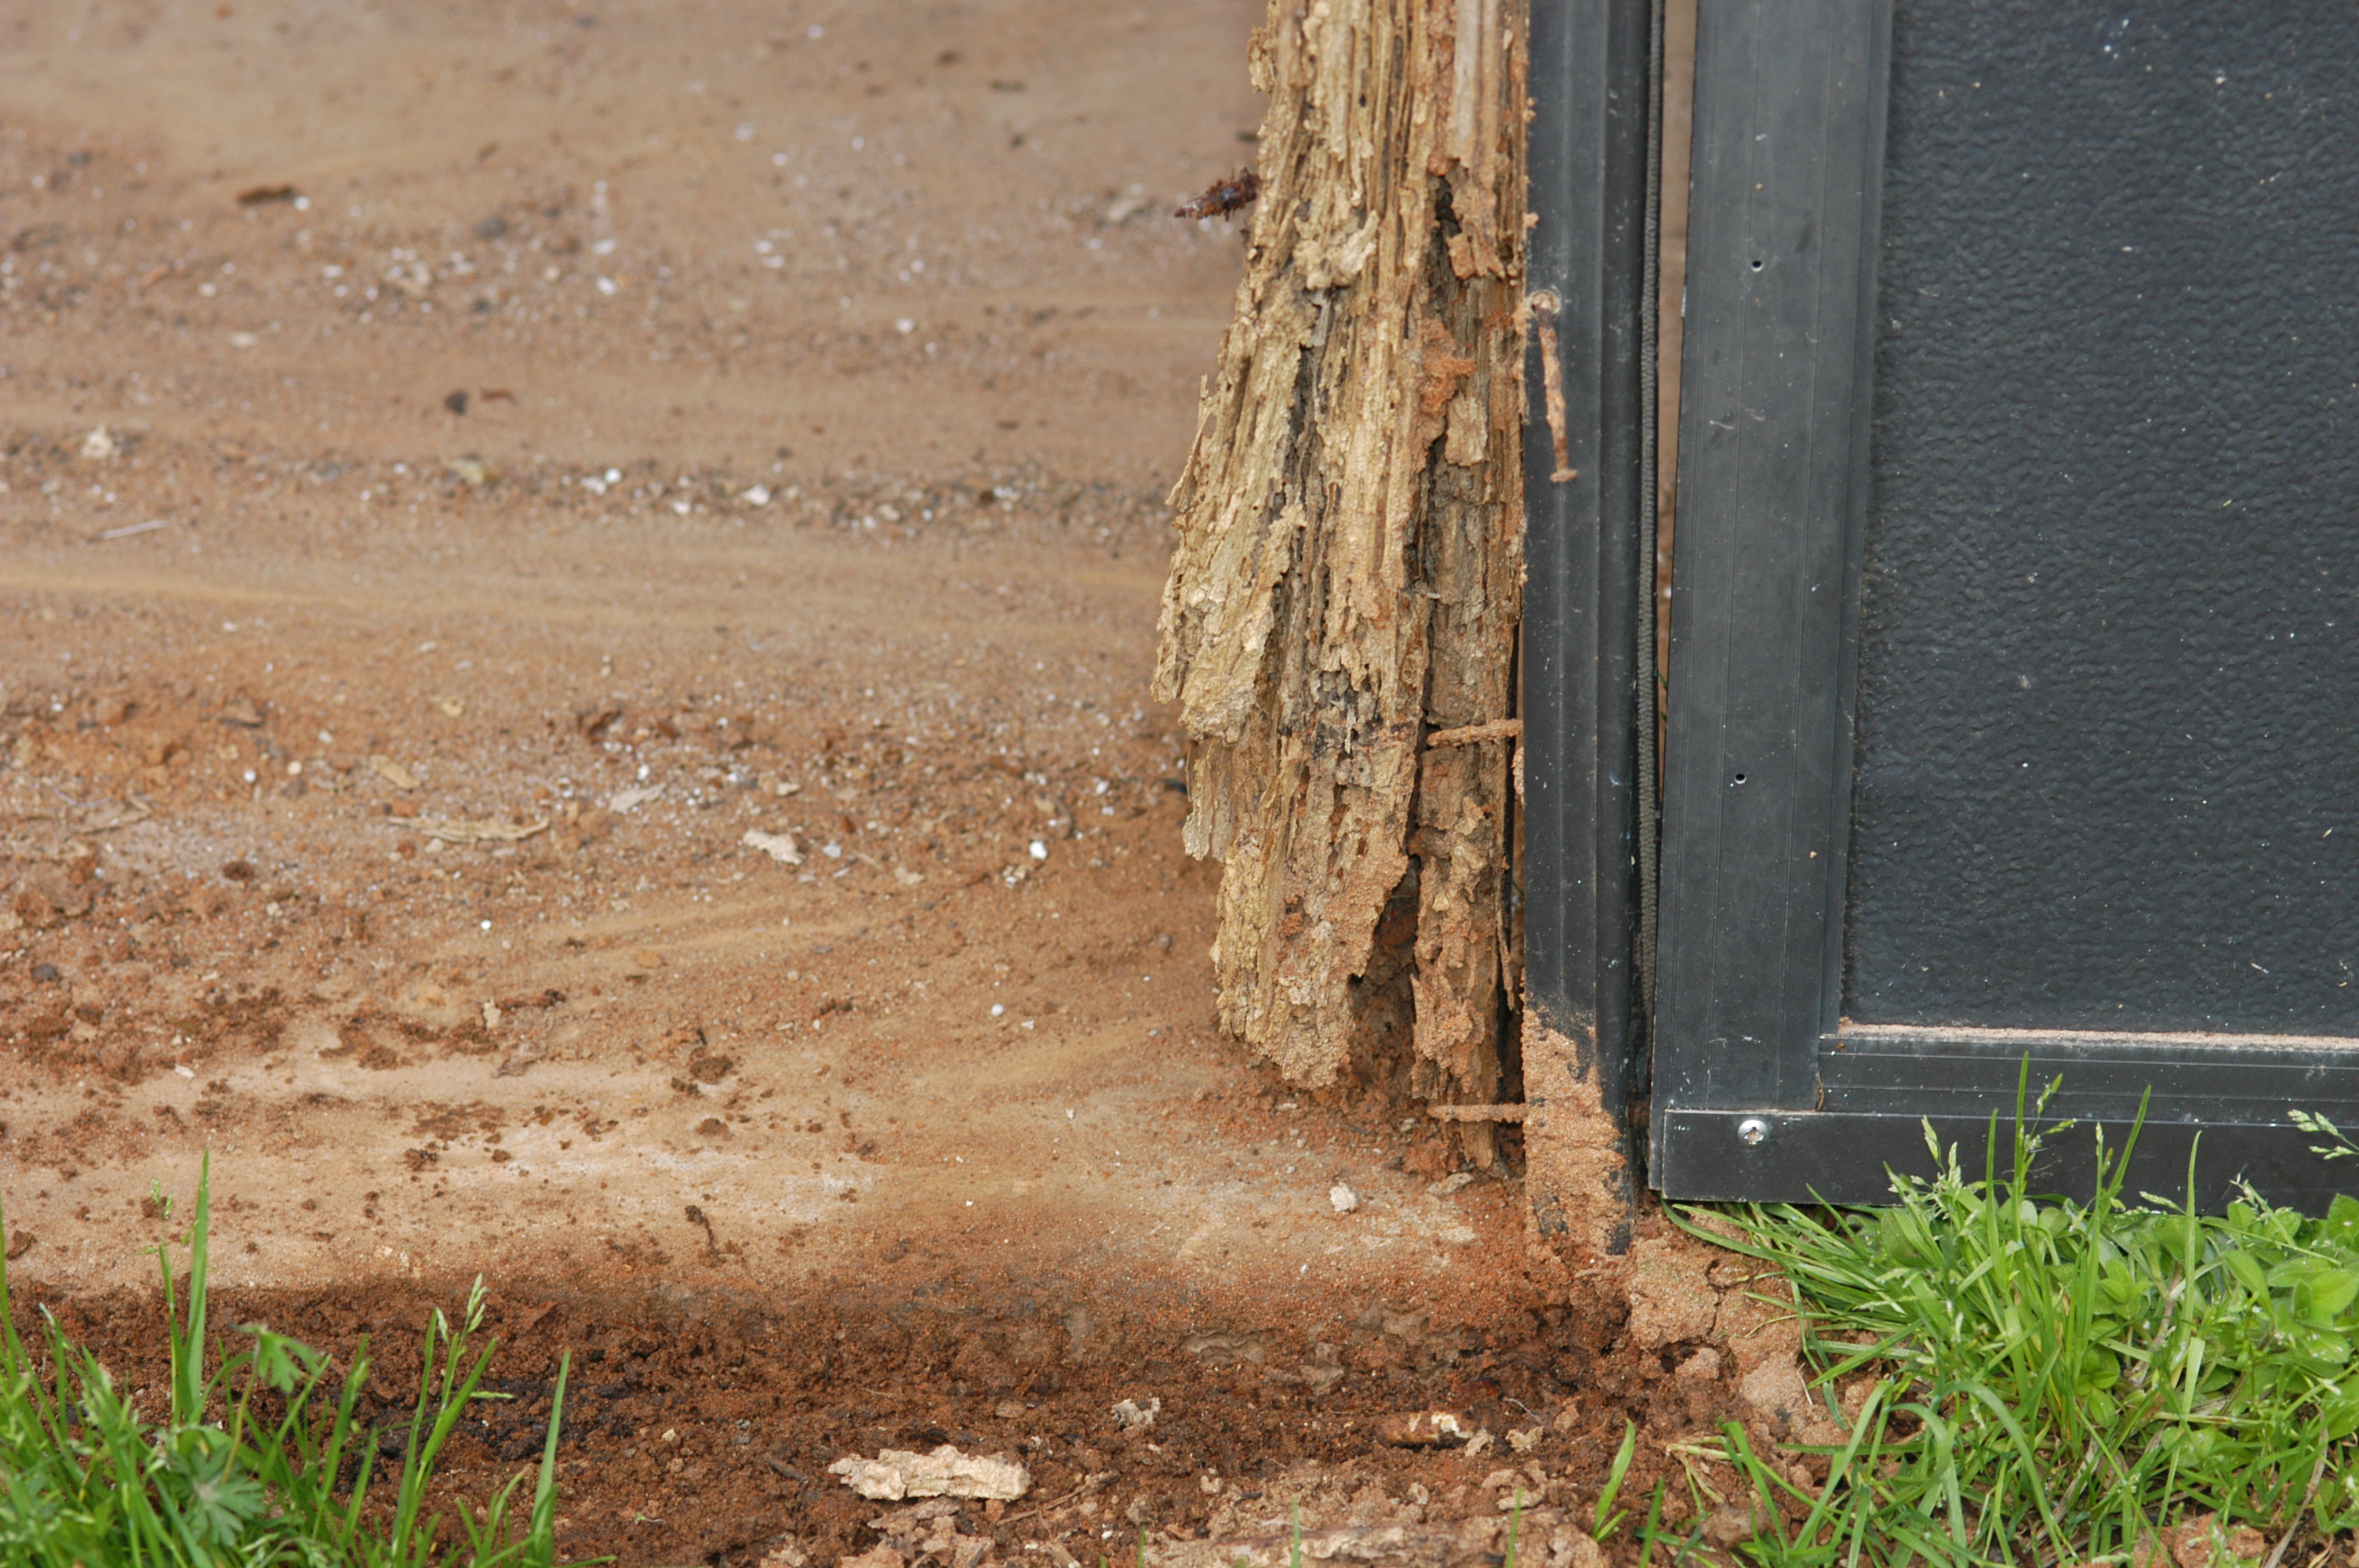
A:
(244, 1468)
(2042, 1381)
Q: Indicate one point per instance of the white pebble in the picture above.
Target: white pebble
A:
(1344, 1199)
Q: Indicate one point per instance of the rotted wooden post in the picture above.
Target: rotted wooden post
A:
(1340, 627)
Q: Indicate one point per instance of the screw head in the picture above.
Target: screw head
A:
(1752, 1131)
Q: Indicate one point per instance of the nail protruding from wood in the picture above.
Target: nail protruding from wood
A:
(1474, 734)
(1475, 1112)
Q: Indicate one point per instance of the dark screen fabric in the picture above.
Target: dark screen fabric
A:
(2108, 738)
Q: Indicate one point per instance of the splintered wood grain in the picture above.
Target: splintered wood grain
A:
(1348, 576)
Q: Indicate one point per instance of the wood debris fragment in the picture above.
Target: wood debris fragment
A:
(946, 1472)
(1224, 196)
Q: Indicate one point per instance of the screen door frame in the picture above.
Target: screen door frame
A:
(1760, 1089)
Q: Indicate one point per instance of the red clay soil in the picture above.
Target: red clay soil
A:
(703, 1415)
(576, 583)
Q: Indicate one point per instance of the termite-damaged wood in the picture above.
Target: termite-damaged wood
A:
(1348, 576)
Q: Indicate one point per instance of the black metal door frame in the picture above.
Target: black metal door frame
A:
(1587, 156)
(1761, 1090)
